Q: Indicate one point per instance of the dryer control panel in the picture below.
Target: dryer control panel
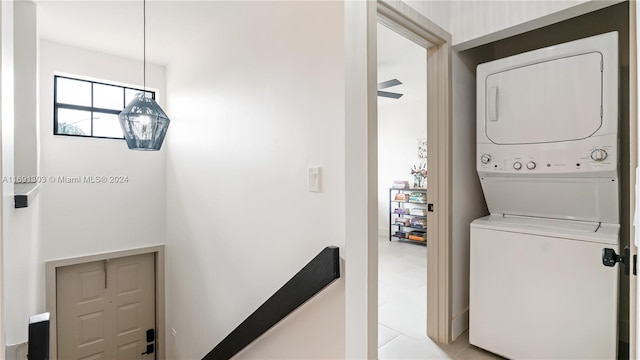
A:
(594, 155)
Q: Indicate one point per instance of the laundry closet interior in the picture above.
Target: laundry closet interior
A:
(614, 18)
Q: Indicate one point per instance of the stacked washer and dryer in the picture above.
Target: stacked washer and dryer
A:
(547, 158)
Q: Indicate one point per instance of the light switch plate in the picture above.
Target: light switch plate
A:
(314, 179)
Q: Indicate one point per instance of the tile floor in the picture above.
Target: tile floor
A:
(402, 309)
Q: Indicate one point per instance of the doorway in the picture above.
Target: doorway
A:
(415, 27)
(361, 170)
(402, 187)
(106, 309)
(108, 305)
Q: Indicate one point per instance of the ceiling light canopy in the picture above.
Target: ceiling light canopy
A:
(143, 122)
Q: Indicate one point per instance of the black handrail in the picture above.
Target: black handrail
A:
(315, 276)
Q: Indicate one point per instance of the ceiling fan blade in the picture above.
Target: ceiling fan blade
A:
(388, 83)
(389, 94)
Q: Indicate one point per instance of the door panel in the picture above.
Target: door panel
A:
(82, 300)
(106, 318)
(134, 310)
(130, 351)
(99, 356)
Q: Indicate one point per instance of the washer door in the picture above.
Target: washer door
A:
(541, 297)
(550, 101)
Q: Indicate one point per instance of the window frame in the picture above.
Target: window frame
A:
(92, 109)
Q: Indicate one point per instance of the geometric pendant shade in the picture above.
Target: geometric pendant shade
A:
(144, 124)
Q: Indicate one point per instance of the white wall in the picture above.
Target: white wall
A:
(438, 11)
(473, 19)
(250, 113)
(6, 107)
(7, 78)
(23, 295)
(467, 198)
(26, 93)
(479, 22)
(24, 286)
(82, 219)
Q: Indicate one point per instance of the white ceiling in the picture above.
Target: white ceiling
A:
(115, 27)
(176, 28)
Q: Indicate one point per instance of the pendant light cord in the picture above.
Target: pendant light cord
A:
(144, 46)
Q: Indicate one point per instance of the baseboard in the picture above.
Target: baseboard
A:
(16, 352)
(459, 324)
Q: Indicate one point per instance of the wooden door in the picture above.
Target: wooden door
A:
(105, 309)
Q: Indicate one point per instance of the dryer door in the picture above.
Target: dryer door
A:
(550, 101)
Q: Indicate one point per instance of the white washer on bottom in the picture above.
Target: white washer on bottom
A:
(538, 289)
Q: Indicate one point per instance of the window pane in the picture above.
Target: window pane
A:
(96, 101)
(106, 125)
(74, 122)
(108, 97)
(130, 94)
(75, 92)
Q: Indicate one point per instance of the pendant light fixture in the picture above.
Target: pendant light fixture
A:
(143, 122)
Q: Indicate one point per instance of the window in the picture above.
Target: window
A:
(90, 108)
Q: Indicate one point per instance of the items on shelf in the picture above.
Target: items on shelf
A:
(408, 214)
(400, 184)
(417, 235)
(419, 222)
(418, 197)
(400, 234)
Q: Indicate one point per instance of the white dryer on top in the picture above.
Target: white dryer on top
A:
(547, 131)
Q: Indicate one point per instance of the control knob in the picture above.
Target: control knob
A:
(485, 158)
(599, 154)
(517, 165)
(531, 165)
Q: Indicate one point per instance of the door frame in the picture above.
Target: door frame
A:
(414, 26)
(361, 169)
(51, 288)
(634, 154)
(6, 108)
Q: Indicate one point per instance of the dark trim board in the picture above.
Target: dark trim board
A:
(24, 193)
(321, 271)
